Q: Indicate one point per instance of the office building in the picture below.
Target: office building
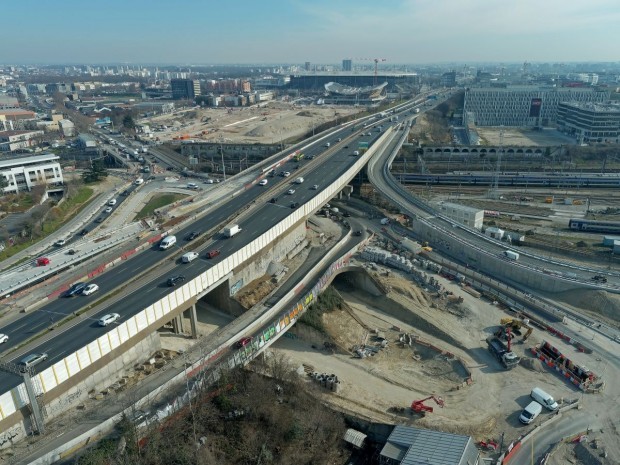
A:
(590, 122)
(21, 174)
(87, 142)
(185, 89)
(448, 79)
(523, 106)
(347, 64)
(307, 66)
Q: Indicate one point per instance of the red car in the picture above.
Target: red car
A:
(213, 253)
(43, 261)
(243, 342)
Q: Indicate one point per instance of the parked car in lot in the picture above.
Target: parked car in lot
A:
(243, 342)
(174, 280)
(90, 289)
(213, 253)
(3, 338)
(31, 360)
(110, 318)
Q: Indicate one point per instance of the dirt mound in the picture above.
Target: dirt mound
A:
(600, 303)
(307, 114)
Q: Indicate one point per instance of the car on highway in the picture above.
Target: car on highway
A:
(3, 338)
(174, 280)
(357, 233)
(31, 360)
(126, 193)
(273, 200)
(295, 205)
(346, 214)
(83, 232)
(315, 187)
(193, 235)
(243, 342)
(71, 252)
(263, 182)
(599, 278)
(101, 219)
(213, 253)
(90, 289)
(286, 174)
(110, 318)
(108, 210)
(346, 146)
(290, 191)
(112, 202)
(75, 289)
(60, 243)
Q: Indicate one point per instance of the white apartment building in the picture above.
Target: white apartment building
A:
(523, 106)
(22, 173)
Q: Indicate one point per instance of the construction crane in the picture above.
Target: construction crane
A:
(376, 60)
(419, 407)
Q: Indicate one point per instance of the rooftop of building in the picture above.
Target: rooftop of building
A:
(596, 107)
(535, 88)
(416, 446)
(19, 161)
(16, 111)
(369, 74)
(18, 132)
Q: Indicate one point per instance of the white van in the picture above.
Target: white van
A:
(530, 413)
(544, 399)
(112, 202)
(138, 181)
(188, 257)
(167, 242)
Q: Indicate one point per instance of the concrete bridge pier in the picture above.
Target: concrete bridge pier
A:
(177, 324)
(193, 321)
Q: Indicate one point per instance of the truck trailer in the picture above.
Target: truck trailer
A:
(507, 358)
(230, 231)
(511, 255)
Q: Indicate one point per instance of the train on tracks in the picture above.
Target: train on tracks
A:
(594, 226)
(527, 180)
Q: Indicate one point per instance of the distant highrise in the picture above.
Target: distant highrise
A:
(185, 89)
(347, 64)
(307, 66)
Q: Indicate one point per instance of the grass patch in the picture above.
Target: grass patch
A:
(327, 302)
(56, 217)
(158, 201)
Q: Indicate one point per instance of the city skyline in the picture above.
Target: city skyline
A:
(290, 31)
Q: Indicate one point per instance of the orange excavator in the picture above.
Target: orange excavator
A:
(419, 407)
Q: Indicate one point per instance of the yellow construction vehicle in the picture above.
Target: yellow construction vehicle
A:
(515, 325)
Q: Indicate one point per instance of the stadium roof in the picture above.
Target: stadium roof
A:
(341, 89)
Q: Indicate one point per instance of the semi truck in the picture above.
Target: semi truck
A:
(511, 255)
(230, 231)
(501, 352)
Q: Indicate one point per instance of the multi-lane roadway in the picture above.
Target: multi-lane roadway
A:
(322, 171)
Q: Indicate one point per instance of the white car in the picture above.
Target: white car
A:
(290, 191)
(108, 210)
(90, 289)
(110, 318)
(263, 182)
(3, 338)
(60, 243)
(286, 174)
(315, 187)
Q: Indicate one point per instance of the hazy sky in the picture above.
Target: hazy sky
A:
(319, 31)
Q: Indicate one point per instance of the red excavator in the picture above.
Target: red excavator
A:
(419, 407)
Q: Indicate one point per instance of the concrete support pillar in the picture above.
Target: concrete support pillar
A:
(177, 324)
(193, 320)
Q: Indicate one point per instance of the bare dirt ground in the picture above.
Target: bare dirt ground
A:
(271, 123)
(397, 375)
(522, 137)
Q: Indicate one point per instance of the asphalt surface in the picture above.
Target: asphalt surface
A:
(322, 172)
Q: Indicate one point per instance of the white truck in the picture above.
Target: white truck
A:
(511, 255)
(230, 231)
(299, 180)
